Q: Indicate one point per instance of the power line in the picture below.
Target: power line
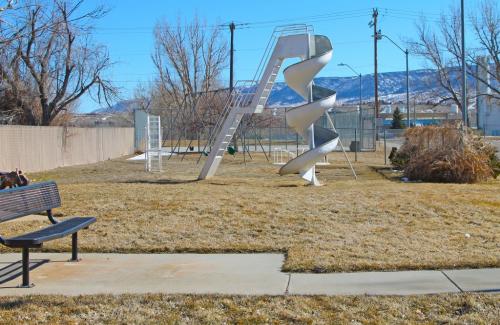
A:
(330, 15)
(251, 25)
(410, 12)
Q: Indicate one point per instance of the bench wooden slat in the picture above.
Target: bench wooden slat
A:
(59, 230)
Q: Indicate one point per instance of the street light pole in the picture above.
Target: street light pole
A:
(465, 114)
(408, 90)
(360, 98)
(359, 76)
(406, 52)
(360, 91)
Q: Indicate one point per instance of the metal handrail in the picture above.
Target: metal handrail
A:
(238, 98)
(278, 32)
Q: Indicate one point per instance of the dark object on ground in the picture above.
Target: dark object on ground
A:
(231, 150)
(191, 148)
(355, 145)
(393, 153)
(398, 159)
(22, 201)
(13, 179)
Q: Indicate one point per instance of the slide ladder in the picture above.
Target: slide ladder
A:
(249, 97)
(226, 126)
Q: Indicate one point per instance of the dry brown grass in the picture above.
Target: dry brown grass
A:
(446, 154)
(370, 224)
(164, 309)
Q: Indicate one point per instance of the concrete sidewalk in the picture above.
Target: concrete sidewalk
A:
(241, 274)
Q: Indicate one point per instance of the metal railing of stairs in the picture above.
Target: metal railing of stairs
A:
(244, 90)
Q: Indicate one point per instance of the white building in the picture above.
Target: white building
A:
(488, 109)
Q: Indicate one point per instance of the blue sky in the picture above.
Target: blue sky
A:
(127, 31)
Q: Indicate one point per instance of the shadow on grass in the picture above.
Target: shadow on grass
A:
(160, 181)
(388, 173)
(288, 185)
(20, 301)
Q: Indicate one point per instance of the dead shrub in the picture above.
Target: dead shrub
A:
(446, 154)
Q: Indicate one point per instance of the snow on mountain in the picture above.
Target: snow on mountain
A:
(392, 88)
(124, 106)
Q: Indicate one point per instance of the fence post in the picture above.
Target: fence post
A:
(243, 140)
(270, 136)
(198, 136)
(385, 148)
(355, 145)
(255, 138)
(297, 144)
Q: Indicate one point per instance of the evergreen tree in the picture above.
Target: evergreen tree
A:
(397, 119)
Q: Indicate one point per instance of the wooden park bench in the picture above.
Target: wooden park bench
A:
(22, 201)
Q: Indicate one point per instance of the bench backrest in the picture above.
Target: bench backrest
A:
(22, 201)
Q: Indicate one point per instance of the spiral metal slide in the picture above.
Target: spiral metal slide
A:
(322, 141)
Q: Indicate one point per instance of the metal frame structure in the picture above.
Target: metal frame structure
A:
(154, 142)
(250, 97)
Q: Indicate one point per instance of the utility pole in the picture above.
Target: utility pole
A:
(232, 27)
(375, 40)
(464, 68)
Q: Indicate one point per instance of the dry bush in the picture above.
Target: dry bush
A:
(446, 154)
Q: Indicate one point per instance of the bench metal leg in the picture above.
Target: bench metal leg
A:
(74, 247)
(26, 268)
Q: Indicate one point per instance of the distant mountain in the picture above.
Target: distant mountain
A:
(124, 106)
(392, 88)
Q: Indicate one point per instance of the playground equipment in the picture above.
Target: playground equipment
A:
(282, 156)
(249, 97)
(322, 141)
(153, 144)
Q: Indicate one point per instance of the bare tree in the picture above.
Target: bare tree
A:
(189, 60)
(442, 49)
(52, 57)
(431, 47)
(487, 30)
(7, 5)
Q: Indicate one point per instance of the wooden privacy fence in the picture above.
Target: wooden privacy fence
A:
(38, 148)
